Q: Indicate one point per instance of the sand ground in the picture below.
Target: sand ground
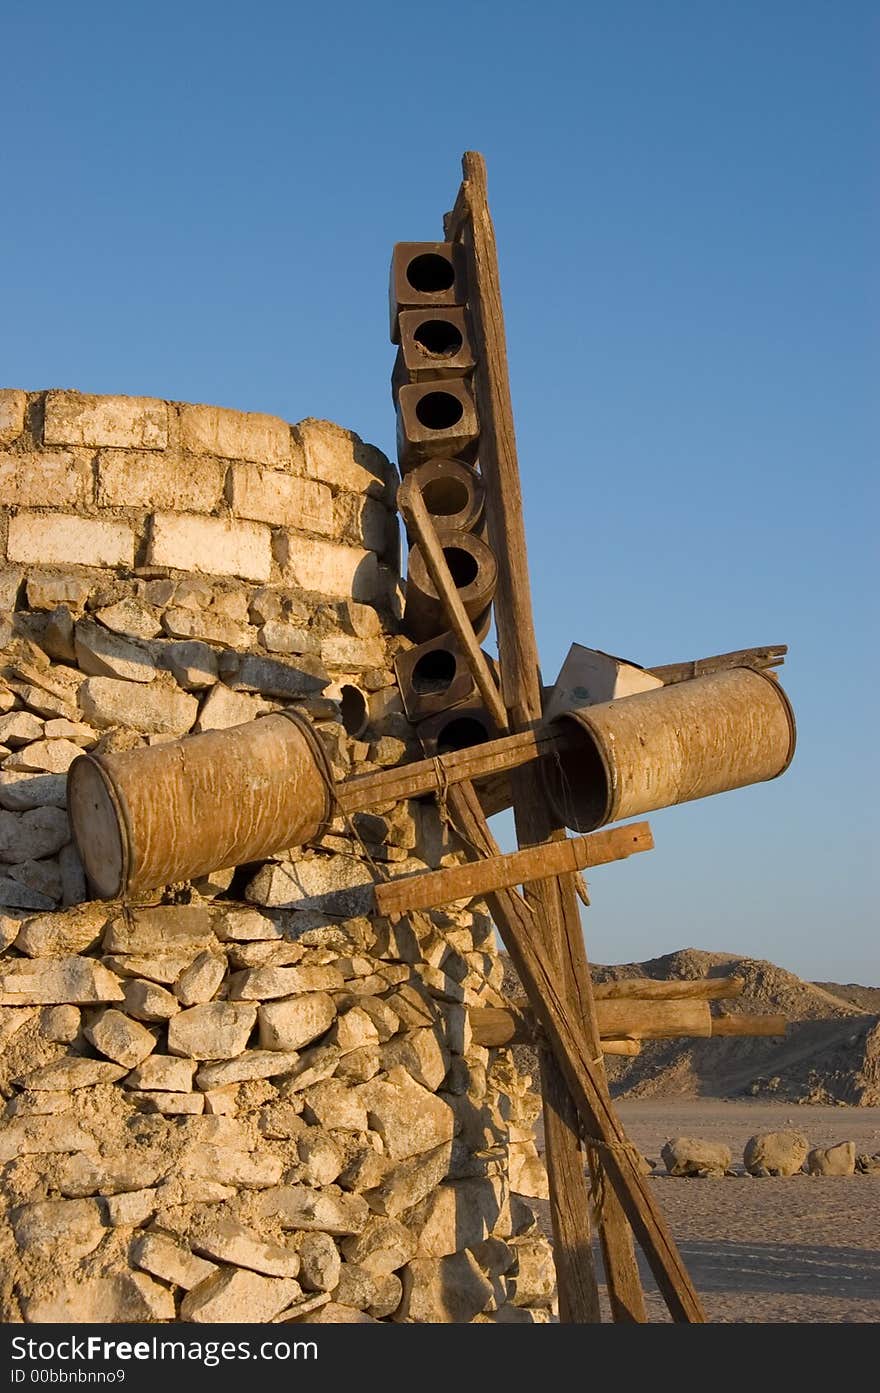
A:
(804, 1249)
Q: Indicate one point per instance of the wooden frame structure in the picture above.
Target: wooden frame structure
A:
(541, 928)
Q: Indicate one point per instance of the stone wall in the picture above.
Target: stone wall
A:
(242, 1098)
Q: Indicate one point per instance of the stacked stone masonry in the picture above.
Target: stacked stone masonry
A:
(244, 1098)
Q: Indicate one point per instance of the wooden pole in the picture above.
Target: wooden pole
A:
(640, 1020)
(647, 989)
(497, 872)
(762, 658)
(555, 901)
(748, 1025)
(430, 775)
(574, 1048)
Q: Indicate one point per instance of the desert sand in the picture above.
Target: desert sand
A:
(804, 1249)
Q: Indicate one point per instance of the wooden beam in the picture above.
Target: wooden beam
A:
(771, 656)
(430, 775)
(642, 1020)
(498, 872)
(647, 988)
(576, 1052)
(555, 902)
(748, 1025)
(421, 527)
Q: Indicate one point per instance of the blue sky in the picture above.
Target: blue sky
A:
(200, 203)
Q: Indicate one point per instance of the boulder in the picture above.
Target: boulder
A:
(408, 1118)
(239, 1296)
(86, 1173)
(378, 1294)
(267, 983)
(533, 1272)
(72, 1072)
(119, 1038)
(44, 757)
(67, 981)
(122, 1297)
(163, 1073)
(300, 1207)
(152, 710)
(775, 1153)
(43, 1135)
(215, 1030)
(62, 934)
(32, 835)
(200, 981)
(383, 1245)
(455, 1216)
(832, 1160)
(693, 1156)
(443, 1290)
(193, 665)
(163, 929)
(320, 1262)
(288, 1025)
(230, 1167)
(422, 1054)
(408, 1182)
(53, 1227)
(102, 653)
(170, 1261)
(20, 792)
(320, 1156)
(230, 1242)
(250, 1064)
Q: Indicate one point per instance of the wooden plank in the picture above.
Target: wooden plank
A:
(647, 988)
(771, 656)
(640, 1020)
(622, 1046)
(555, 902)
(419, 525)
(431, 775)
(574, 1050)
(748, 1025)
(497, 872)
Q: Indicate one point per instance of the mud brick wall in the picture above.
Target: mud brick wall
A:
(241, 1098)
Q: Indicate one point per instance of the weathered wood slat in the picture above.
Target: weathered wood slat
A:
(498, 872)
(430, 775)
(647, 989)
(748, 1025)
(554, 901)
(771, 656)
(576, 1052)
(642, 1020)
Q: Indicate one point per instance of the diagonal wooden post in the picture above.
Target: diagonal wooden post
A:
(554, 901)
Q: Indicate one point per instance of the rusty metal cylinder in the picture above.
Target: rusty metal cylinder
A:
(671, 745)
(156, 816)
(475, 573)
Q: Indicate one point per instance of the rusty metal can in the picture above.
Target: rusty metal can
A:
(156, 816)
(671, 745)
